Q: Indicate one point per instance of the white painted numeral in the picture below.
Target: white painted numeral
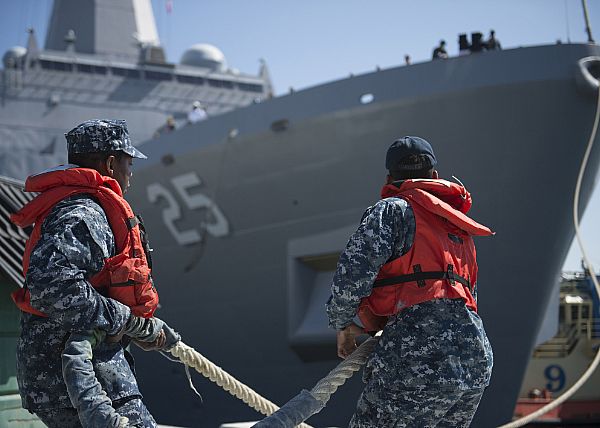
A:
(215, 221)
(219, 226)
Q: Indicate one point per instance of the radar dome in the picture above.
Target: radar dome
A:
(206, 56)
(13, 58)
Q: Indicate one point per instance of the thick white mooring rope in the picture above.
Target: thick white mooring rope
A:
(192, 358)
(594, 364)
(322, 391)
(327, 386)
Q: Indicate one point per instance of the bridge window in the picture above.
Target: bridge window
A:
(125, 72)
(54, 65)
(220, 83)
(585, 312)
(157, 75)
(94, 69)
(194, 80)
(250, 87)
(574, 313)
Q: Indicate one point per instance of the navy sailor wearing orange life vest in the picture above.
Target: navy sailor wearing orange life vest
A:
(410, 270)
(87, 278)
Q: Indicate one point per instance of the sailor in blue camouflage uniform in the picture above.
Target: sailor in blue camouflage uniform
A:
(433, 360)
(76, 239)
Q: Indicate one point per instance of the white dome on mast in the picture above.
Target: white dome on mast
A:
(13, 57)
(205, 56)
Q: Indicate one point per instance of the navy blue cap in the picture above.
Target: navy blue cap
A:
(397, 154)
(101, 135)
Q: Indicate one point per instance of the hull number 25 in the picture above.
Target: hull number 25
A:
(211, 219)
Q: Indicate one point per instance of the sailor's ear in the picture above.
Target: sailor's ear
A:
(109, 164)
(435, 174)
(389, 179)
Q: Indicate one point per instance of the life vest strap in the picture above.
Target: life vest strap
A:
(417, 277)
(129, 282)
(417, 269)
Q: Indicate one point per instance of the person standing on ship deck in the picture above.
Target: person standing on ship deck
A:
(197, 113)
(76, 241)
(433, 360)
(493, 44)
(440, 51)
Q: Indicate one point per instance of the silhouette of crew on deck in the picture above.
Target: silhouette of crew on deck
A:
(440, 51)
(493, 44)
(477, 43)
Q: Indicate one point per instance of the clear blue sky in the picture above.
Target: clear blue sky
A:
(313, 41)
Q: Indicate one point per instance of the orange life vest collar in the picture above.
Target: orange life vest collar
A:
(442, 260)
(441, 197)
(60, 180)
(126, 277)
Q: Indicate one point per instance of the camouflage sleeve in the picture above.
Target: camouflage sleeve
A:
(76, 238)
(382, 231)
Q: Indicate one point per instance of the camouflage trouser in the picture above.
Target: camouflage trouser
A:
(379, 407)
(134, 409)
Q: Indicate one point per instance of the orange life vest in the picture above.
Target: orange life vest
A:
(126, 277)
(441, 262)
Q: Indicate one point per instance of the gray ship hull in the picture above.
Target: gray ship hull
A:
(247, 212)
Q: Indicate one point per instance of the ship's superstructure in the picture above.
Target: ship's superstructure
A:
(103, 59)
(249, 209)
(559, 362)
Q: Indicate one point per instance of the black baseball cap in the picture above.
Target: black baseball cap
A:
(397, 154)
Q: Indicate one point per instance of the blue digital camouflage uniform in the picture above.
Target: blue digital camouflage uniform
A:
(433, 359)
(75, 240)
(132, 410)
(102, 135)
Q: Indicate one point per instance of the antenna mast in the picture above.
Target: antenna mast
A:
(588, 29)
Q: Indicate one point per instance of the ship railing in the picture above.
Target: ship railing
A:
(585, 328)
(593, 331)
(588, 326)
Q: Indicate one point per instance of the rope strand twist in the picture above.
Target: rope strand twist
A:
(327, 386)
(192, 358)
